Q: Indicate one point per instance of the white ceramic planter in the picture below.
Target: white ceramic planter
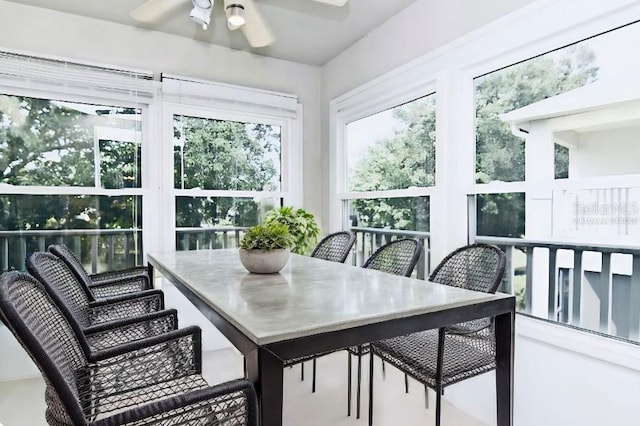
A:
(264, 262)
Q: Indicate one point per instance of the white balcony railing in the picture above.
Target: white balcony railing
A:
(590, 286)
(104, 249)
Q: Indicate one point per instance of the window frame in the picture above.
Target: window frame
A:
(290, 153)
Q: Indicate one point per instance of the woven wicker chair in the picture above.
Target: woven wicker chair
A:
(106, 322)
(154, 381)
(439, 358)
(335, 248)
(106, 284)
(398, 257)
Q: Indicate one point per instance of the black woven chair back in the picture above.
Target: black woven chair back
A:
(398, 257)
(50, 341)
(51, 271)
(478, 267)
(74, 264)
(335, 247)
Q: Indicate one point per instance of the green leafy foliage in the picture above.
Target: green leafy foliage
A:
(300, 223)
(225, 155)
(405, 160)
(269, 236)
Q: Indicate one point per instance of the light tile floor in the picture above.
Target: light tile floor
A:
(22, 402)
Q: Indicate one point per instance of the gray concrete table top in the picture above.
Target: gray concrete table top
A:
(309, 296)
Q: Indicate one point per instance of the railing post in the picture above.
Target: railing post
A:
(225, 239)
(42, 243)
(528, 289)
(605, 292)
(127, 250)
(576, 288)
(5, 254)
(110, 253)
(420, 271)
(553, 278)
(507, 285)
(634, 307)
(23, 253)
(94, 256)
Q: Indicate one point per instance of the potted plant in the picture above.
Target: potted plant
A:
(301, 224)
(264, 249)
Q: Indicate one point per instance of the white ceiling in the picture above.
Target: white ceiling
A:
(306, 31)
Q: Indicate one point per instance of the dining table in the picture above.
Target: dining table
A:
(314, 306)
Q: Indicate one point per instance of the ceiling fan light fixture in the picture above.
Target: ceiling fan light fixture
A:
(235, 15)
(201, 12)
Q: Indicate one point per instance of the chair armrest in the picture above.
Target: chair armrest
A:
(119, 274)
(233, 402)
(112, 333)
(161, 363)
(126, 306)
(116, 286)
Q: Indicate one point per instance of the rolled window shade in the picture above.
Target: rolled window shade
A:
(184, 89)
(38, 70)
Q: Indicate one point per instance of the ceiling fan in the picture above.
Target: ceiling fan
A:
(241, 14)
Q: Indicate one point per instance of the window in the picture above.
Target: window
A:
(227, 175)
(71, 172)
(389, 158)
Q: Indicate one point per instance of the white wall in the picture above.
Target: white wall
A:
(555, 386)
(606, 153)
(48, 32)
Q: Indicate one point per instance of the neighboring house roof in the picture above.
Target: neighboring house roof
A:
(597, 95)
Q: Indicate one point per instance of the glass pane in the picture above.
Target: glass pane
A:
(120, 164)
(409, 214)
(500, 154)
(54, 143)
(226, 155)
(393, 149)
(500, 215)
(217, 222)
(106, 232)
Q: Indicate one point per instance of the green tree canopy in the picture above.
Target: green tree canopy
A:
(407, 159)
(224, 155)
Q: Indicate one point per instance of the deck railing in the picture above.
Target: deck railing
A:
(591, 286)
(369, 239)
(209, 238)
(100, 249)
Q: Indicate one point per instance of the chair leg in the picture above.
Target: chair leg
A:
(359, 384)
(313, 379)
(438, 404)
(406, 383)
(370, 388)
(426, 397)
(384, 371)
(439, 368)
(302, 371)
(349, 383)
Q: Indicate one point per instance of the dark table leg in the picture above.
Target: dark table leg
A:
(265, 370)
(504, 368)
(150, 271)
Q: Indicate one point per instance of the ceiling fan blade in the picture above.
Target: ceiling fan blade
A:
(255, 30)
(338, 3)
(154, 10)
